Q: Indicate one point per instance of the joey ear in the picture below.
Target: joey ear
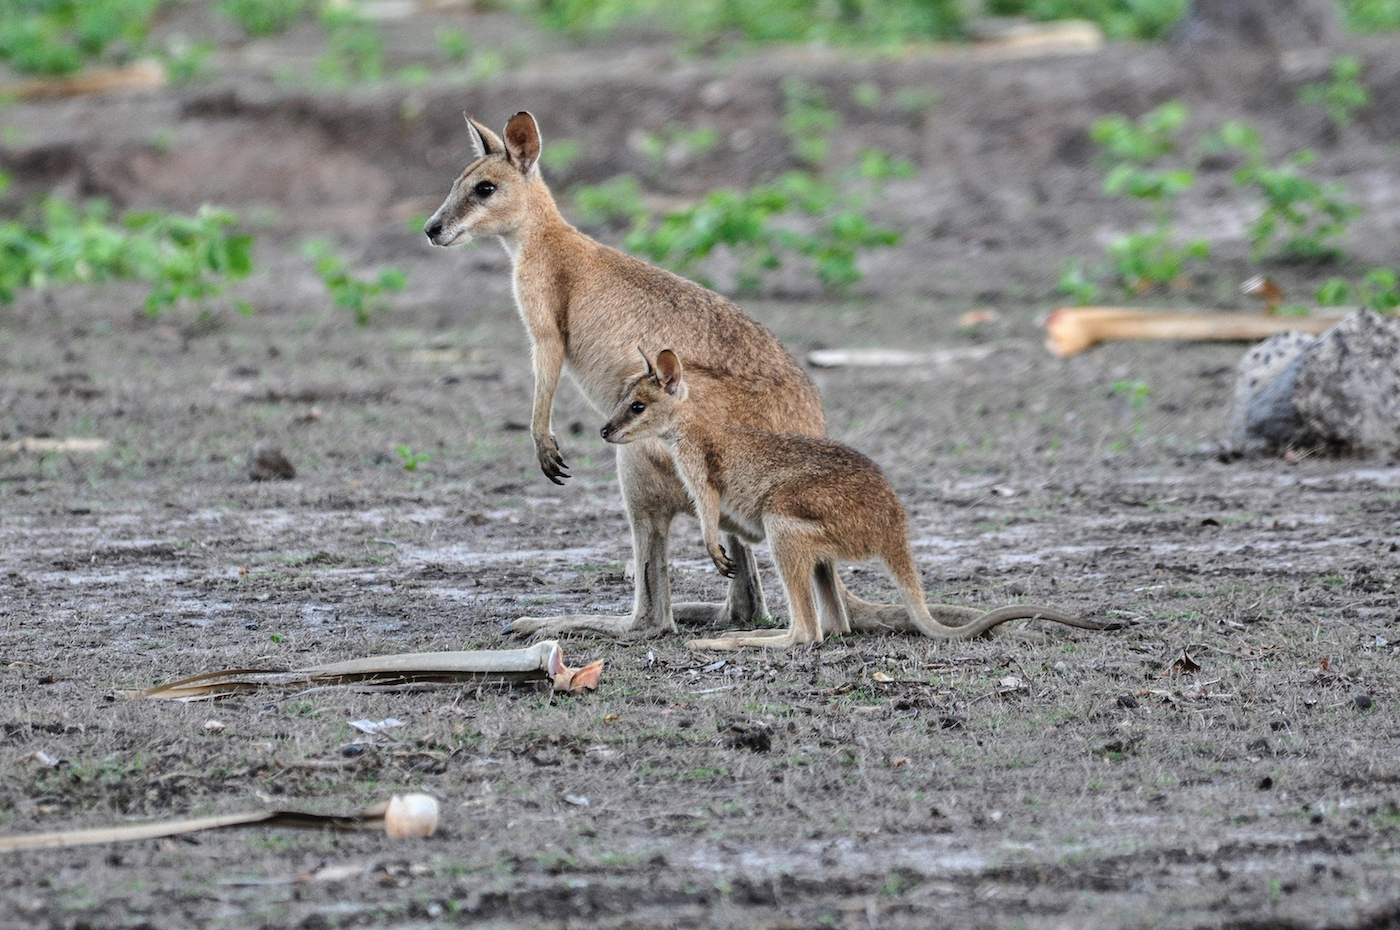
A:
(523, 141)
(484, 141)
(668, 371)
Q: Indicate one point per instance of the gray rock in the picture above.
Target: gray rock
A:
(1339, 391)
(1264, 418)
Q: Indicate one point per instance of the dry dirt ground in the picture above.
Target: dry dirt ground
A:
(1044, 778)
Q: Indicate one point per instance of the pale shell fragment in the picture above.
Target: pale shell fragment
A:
(411, 815)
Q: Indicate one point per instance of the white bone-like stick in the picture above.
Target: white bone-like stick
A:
(1070, 330)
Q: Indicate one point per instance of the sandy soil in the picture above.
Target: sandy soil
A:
(1043, 778)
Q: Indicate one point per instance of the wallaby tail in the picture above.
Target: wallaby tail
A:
(908, 580)
(979, 625)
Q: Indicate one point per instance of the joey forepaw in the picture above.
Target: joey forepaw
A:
(723, 564)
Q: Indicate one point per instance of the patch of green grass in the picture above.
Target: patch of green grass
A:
(453, 43)
(1366, 16)
(186, 62)
(705, 21)
(811, 213)
(849, 22)
(354, 49)
(57, 37)
(263, 17)
(185, 259)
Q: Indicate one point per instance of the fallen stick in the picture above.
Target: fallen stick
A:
(1015, 40)
(44, 445)
(142, 75)
(542, 662)
(400, 817)
(1070, 330)
(894, 358)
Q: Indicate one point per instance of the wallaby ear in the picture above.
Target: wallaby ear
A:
(523, 141)
(484, 141)
(668, 371)
(650, 371)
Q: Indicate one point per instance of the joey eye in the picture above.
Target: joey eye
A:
(637, 406)
(484, 189)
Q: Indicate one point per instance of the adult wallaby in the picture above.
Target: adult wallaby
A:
(590, 306)
(816, 501)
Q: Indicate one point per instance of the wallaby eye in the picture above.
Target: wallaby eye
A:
(637, 406)
(484, 189)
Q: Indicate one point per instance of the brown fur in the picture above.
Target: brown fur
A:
(816, 501)
(589, 307)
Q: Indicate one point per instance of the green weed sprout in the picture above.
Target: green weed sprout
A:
(363, 297)
(354, 49)
(263, 17)
(1133, 153)
(411, 460)
(1136, 393)
(1367, 16)
(1301, 217)
(1342, 96)
(1379, 290)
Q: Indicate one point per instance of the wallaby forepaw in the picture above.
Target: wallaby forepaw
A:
(552, 463)
(723, 564)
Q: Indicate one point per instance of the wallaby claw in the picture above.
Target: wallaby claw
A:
(551, 462)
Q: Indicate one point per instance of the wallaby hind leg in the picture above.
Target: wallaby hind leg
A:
(797, 569)
(653, 499)
(831, 607)
(744, 603)
(651, 615)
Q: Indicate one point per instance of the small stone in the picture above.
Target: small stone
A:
(1361, 701)
(751, 735)
(266, 463)
(1128, 701)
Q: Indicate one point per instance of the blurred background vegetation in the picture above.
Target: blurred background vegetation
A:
(57, 37)
(819, 213)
